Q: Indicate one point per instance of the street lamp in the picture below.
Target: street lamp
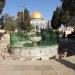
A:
(23, 11)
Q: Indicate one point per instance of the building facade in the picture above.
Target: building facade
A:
(38, 20)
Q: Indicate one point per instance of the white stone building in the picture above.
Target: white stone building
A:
(38, 20)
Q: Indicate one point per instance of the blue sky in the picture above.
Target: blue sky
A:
(46, 7)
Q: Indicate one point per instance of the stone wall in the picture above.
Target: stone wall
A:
(37, 52)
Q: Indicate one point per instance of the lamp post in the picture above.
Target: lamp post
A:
(23, 11)
(23, 15)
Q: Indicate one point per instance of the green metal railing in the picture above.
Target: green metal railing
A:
(21, 39)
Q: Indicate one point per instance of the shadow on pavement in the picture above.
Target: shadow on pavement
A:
(66, 63)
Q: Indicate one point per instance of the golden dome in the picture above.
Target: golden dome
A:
(36, 15)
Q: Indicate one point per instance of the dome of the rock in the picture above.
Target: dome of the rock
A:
(36, 15)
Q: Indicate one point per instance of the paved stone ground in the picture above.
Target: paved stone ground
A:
(51, 67)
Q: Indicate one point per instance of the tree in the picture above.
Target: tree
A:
(24, 21)
(2, 22)
(56, 19)
(2, 4)
(48, 25)
(68, 6)
(10, 23)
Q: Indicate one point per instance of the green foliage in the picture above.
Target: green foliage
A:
(56, 19)
(24, 23)
(16, 37)
(68, 7)
(2, 4)
(48, 38)
(10, 24)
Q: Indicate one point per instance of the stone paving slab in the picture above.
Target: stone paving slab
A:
(51, 67)
(35, 73)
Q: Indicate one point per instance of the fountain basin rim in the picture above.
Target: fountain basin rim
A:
(35, 39)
